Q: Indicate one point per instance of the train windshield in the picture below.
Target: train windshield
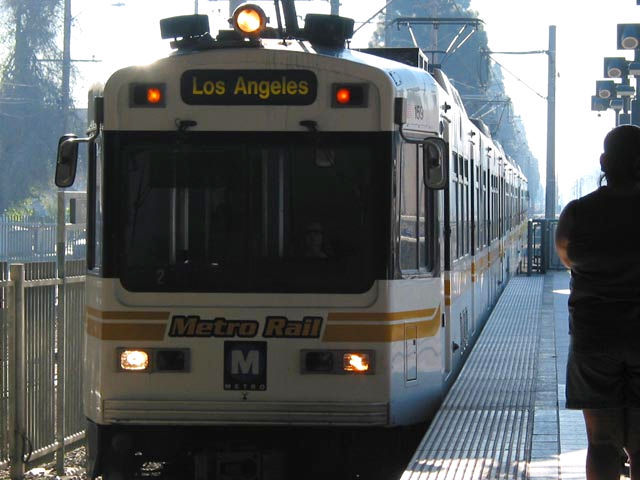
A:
(253, 212)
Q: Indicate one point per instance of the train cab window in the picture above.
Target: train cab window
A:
(234, 212)
(409, 208)
(426, 225)
(94, 207)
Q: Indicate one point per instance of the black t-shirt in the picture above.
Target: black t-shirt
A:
(604, 248)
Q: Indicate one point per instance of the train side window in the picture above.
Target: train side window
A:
(495, 208)
(409, 209)
(478, 200)
(467, 209)
(455, 210)
(462, 237)
(485, 209)
(502, 206)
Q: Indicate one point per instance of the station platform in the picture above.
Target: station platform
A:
(504, 417)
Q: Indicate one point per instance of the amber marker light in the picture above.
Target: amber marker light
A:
(249, 20)
(355, 362)
(134, 360)
(343, 96)
(154, 95)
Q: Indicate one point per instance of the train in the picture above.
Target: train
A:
(291, 248)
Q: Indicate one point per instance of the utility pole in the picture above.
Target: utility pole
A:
(66, 65)
(550, 196)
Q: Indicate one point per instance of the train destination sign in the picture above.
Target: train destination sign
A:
(248, 87)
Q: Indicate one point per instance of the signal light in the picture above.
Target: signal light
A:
(605, 89)
(249, 20)
(599, 104)
(349, 95)
(147, 95)
(616, 67)
(628, 36)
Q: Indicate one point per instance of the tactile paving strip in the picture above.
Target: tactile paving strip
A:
(483, 429)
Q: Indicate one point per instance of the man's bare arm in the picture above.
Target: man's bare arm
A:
(565, 225)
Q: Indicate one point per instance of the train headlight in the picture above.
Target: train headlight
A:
(319, 362)
(355, 362)
(249, 20)
(134, 360)
(338, 362)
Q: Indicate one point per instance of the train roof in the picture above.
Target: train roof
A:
(393, 61)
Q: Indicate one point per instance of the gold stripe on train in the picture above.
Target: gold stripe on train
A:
(382, 333)
(378, 316)
(125, 331)
(122, 315)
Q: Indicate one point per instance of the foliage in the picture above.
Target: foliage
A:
(30, 109)
(479, 83)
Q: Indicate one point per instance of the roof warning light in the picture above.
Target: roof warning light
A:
(249, 20)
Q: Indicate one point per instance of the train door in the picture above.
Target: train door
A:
(447, 339)
(502, 242)
(492, 213)
(473, 189)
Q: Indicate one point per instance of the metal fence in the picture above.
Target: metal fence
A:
(41, 340)
(541, 252)
(41, 355)
(4, 365)
(29, 238)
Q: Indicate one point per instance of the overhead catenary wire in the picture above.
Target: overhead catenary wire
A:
(518, 78)
(373, 16)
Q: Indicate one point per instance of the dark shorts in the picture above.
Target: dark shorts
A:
(603, 379)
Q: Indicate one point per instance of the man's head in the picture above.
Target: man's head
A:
(620, 161)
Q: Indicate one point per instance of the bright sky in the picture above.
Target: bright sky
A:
(126, 32)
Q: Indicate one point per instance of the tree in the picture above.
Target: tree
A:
(479, 83)
(30, 109)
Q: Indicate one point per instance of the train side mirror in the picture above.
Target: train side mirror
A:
(435, 165)
(67, 160)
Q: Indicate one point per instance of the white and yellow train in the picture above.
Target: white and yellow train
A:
(289, 242)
